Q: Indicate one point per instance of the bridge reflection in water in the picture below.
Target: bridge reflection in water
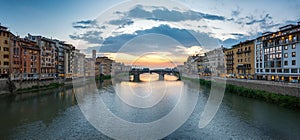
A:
(136, 73)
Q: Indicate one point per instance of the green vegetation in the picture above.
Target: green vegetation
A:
(281, 100)
(105, 77)
(37, 87)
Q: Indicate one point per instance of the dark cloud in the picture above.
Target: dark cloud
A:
(80, 27)
(139, 12)
(164, 14)
(237, 34)
(253, 21)
(121, 22)
(85, 24)
(161, 36)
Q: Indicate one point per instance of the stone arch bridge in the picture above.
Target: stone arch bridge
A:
(161, 72)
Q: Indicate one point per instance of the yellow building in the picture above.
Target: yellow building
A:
(103, 66)
(239, 59)
(5, 35)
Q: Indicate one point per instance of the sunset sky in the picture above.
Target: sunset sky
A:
(166, 30)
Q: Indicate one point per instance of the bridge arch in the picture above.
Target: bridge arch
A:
(161, 72)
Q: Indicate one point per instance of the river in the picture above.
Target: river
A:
(55, 113)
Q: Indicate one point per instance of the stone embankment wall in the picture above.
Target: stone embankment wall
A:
(292, 89)
(29, 83)
(4, 89)
(5, 86)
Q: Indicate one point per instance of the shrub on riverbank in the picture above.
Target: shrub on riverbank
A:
(37, 87)
(281, 100)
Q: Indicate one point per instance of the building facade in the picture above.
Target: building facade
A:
(5, 36)
(214, 62)
(30, 60)
(239, 59)
(48, 56)
(277, 54)
(15, 56)
(68, 60)
(103, 66)
(79, 59)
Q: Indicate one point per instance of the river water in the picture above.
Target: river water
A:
(55, 114)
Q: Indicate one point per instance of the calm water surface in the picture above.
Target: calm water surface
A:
(54, 114)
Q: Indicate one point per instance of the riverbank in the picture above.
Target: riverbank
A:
(286, 101)
(20, 87)
(37, 88)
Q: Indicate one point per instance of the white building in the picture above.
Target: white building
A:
(214, 61)
(277, 54)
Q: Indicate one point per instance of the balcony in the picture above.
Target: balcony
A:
(247, 51)
(239, 52)
(229, 59)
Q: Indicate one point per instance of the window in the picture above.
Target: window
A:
(294, 70)
(5, 56)
(6, 63)
(279, 70)
(285, 47)
(294, 46)
(5, 42)
(286, 55)
(293, 62)
(267, 70)
(5, 49)
(286, 70)
(293, 54)
(286, 63)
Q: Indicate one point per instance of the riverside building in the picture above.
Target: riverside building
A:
(239, 59)
(277, 56)
(48, 55)
(5, 36)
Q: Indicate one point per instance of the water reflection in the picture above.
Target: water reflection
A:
(54, 114)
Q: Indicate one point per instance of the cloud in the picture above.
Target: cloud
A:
(253, 20)
(164, 14)
(164, 38)
(92, 37)
(190, 50)
(237, 34)
(85, 24)
(236, 13)
(121, 22)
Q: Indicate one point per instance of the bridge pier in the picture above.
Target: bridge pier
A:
(161, 77)
(179, 77)
(136, 78)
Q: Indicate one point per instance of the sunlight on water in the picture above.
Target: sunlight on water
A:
(147, 77)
